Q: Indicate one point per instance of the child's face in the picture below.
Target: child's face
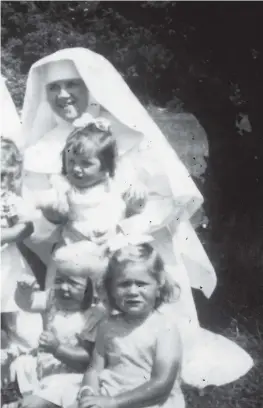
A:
(11, 178)
(135, 291)
(83, 170)
(70, 290)
(68, 98)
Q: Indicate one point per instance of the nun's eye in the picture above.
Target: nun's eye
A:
(53, 87)
(73, 84)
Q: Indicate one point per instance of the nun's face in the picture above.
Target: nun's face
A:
(68, 98)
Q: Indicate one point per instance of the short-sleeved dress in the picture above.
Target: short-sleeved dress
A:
(23, 328)
(46, 376)
(99, 208)
(13, 264)
(130, 355)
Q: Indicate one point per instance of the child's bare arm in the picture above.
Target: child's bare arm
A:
(29, 298)
(91, 376)
(90, 382)
(77, 357)
(16, 233)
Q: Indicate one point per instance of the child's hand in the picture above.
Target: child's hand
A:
(100, 236)
(135, 198)
(97, 402)
(27, 286)
(27, 211)
(49, 342)
(4, 357)
(16, 233)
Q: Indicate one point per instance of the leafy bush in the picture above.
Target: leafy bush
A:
(32, 30)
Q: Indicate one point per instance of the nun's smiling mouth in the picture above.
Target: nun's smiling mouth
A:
(69, 109)
(68, 98)
(64, 103)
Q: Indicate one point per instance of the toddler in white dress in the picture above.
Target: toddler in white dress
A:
(68, 334)
(22, 329)
(87, 195)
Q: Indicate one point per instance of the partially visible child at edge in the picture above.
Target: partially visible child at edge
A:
(70, 322)
(19, 329)
(137, 357)
(87, 196)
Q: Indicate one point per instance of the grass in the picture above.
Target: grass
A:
(236, 312)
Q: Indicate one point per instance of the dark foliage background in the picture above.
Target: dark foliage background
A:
(200, 57)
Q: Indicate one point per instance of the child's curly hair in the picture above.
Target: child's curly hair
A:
(11, 157)
(146, 254)
(91, 137)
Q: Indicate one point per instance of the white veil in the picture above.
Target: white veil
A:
(108, 89)
(10, 122)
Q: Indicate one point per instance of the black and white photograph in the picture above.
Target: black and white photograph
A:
(131, 204)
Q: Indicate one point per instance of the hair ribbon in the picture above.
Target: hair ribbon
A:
(87, 119)
(122, 240)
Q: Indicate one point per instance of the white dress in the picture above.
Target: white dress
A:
(130, 356)
(99, 208)
(23, 328)
(13, 264)
(44, 375)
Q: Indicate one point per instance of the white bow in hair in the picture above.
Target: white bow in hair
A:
(87, 119)
(121, 241)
